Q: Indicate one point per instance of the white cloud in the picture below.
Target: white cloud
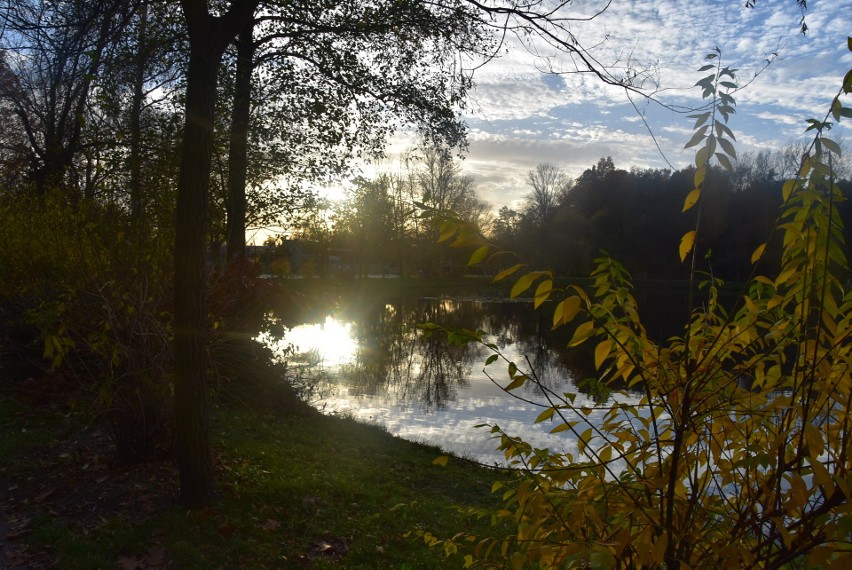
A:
(520, 117)
(778, 118)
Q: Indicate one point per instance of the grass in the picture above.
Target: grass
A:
(315, 491)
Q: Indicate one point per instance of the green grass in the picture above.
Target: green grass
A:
(289, 488)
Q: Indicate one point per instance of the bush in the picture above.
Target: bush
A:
(95, 307)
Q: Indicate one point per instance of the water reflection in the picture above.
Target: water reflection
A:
(379, 367)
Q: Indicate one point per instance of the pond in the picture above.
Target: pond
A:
(366, 358)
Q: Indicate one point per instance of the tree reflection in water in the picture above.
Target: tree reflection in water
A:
(393, 359)
(387, 371)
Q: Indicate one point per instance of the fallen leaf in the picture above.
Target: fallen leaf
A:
(129, 563)
(329, 546)
(155, 556)
(44, 495)
(227, 530)
(270, 524)
(16, 534)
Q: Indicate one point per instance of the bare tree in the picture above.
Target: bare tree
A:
(549, 186)
(59, 49)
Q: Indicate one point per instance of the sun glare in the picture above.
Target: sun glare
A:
(331, 341)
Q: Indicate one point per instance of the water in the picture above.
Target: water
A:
(369, 361)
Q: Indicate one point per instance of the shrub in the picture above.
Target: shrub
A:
(97, 306)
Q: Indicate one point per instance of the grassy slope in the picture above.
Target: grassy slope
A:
(312, 492)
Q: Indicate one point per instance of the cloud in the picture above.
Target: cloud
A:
(526, 117)
(519, 116)
(778, 118)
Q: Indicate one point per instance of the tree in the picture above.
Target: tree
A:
(549, 187)
(334, 83)
(209, 36)
(13, 142)
(60, 48)
(505, 227)
(368, 222)
(237, 150)
(445, 189)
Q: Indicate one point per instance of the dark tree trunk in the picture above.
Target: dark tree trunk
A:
(191, 421)
(237, 154)
(208, 37)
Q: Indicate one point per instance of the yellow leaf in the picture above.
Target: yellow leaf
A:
(516, 383)
(565, 311)
(806, 167)
(787, 189)
(506, 272)
(463, 238)
(478, 255)
(758, 253)
(701, 157)
(750, 305)
(543, 292)
(601, 352)
(441, 460)
(583, 440)
(582, 333)
(691, 199)
(814, 440)
(798, 494)
(545, 415)
(660, 548)
(522, 284)
(822, 477)
(698, 178)
(686, 243)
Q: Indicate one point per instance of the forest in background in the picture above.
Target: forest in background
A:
(562, 224)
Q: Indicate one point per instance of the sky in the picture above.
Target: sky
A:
(519, 117)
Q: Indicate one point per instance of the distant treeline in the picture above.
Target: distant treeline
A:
(636, 216)
(563, 224)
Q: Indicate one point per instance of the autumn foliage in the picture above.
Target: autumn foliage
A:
(725, 446)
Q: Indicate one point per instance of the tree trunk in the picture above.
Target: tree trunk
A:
(237, 153)
(208, 38)
(191, 421)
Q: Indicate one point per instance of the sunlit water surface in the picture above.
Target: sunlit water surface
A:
(379, 369)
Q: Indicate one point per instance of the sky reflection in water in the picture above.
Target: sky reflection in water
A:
(379, 369)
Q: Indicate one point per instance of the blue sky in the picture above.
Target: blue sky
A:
(519, 116)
